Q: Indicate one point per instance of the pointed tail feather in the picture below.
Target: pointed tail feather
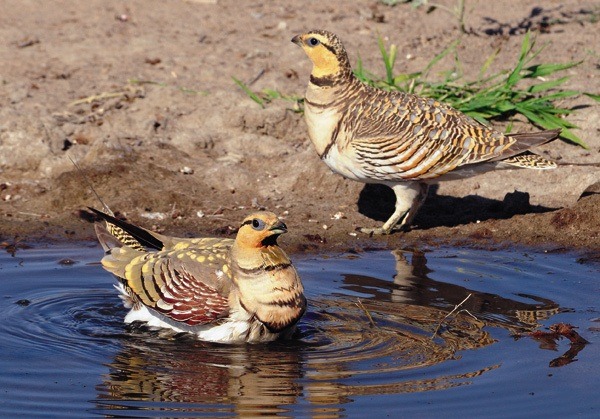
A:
(106, 239)
(118, 233)
(526, 141)
(529, 160)
(129, 234)
(534, 139)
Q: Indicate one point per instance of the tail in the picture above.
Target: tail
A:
(528, 140)
(518, 153)
(124, 234)
(529, 160)
(524, 142)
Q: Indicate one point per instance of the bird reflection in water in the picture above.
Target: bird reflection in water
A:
(246, 378)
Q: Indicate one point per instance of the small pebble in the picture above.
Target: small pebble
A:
(154, 215)
(338, 216)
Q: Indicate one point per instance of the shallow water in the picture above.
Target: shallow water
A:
(366, 344)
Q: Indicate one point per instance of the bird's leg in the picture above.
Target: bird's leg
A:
(409, 198)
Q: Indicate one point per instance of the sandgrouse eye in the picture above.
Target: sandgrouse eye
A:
(258, 224)
(313, 41)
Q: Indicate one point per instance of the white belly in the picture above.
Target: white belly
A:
(236, 329)
(345, 165)
(231, 330)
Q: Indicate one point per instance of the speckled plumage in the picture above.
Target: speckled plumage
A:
(222, 290)
(401, 140)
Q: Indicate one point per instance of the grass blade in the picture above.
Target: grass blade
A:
(515, 75)
(551, 84)
(441, 55)
(541, 70)
(551, 122)
(249, 92)
(389, 60)
(488, 62)
(595, 97)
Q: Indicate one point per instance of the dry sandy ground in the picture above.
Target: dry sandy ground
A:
(141, 94)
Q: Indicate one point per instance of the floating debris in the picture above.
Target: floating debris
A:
(23, 303)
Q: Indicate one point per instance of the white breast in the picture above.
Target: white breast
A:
(345, 165)
(321, 124)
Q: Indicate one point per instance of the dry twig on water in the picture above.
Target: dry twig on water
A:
(456, 307)
(363, 308)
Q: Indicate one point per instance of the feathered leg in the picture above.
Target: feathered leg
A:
(409, 198)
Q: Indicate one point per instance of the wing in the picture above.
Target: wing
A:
(187, 285)
(397, 136)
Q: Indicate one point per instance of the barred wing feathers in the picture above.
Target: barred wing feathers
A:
(401, 137)
(188, 285)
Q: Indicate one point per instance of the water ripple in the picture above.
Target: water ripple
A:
(68, 320)
(366, 332)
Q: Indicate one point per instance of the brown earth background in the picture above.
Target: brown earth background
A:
(141, 94)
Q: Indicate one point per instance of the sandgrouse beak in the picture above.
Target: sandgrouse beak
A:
(297, 40)
(278, 228)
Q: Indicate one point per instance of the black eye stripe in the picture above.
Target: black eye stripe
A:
(245, 223)
(255, 223)
(330, 48)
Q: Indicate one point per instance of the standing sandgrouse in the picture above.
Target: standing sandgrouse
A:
(222, 290)
(401, 140)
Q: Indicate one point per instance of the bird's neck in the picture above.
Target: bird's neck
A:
(250, 259)
(330, 77)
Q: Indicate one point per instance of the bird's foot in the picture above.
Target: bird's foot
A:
(384, 230)
(379, 231)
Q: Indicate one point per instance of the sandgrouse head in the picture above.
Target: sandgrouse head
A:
(326, 52)
(260, 229)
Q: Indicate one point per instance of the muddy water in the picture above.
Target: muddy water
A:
(376, 338)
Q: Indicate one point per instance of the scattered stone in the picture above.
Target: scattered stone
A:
(154, 215)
